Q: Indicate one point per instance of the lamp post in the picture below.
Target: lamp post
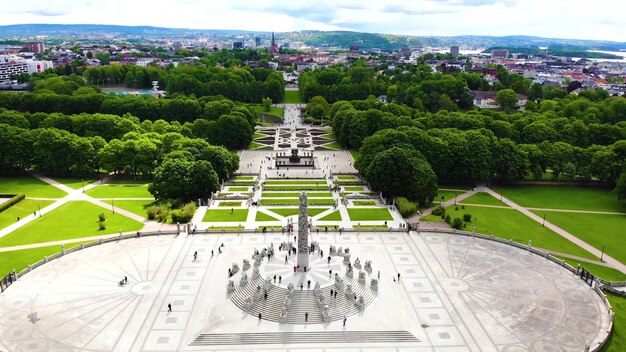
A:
(82, 181)
(113, 205)
(602, 255)
(38, 207)
(543, 224)
(455, 198)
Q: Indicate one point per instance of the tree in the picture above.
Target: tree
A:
(180, 177)
(620, 188)
(267, 103)
(403, 172)
(507, 99)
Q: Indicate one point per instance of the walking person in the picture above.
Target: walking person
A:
(306, 317)
(169, 307)
(344, 320)
(260, 317)
(398, 277)
(379, 275)
(195, 255)
(125, 280)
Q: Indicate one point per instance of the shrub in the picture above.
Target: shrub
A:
(15, 198)
(190, 208)
(102, 225)
(467, 217)
(457, 223)
(456, 208)
(406, 207)
(447, 219)
(180, 216)
(439, 210)
(158, 212)
(102, 217)
(309, 119)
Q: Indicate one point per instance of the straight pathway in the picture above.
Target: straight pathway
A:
(616, 264)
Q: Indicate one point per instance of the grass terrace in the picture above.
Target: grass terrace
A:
(290, 201)
(226, 215)
(244, 178)
(119, 191)
(295, 188)
(563, 197)
(511, 224)
(21, 259)
(363, 202)
(292, 97)
(260, 216)
(444, 196)
(138, 207)
(30, 186)
(24, 208)
(334, 216)
(295, 211)
(127, 181)
(617, 340)
(237, 189)
(74, 219)
(296, 182)
(354, 188)
(601, 271)
(347, 177)
(229, 204)
(295, 194)
(369, 214)
(483, 199)
(73, 182)
(279, 112)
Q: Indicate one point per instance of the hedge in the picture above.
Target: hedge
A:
(15, 198)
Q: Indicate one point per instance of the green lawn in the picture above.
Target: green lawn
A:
(21, 259)
(244, 178)
(229, 204)
(355, 154)
(595, 229)
(329, 136)
(353, 188)
(369, 214)
(138, 191)
(74, 182)
(334, 216)
(30, 186)
(288, 201)
(254, 145)
(257, 135)
(484, 199)
(333, 145)
(219, 215)
(444, 196)
(603, 272)
(237, 189)
(292, 97)
(134, 206)
(71, 220)
(511, 224)
(617, 340)
(564, 197)
(295, 211)
(22, 209)
(279, 112)
(264, 217)
(364, 202)
(296, 182)
(295, 194)
(295, 188)
(127, 181)
(346, 177)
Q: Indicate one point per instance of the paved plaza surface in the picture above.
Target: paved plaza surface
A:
(455, 293)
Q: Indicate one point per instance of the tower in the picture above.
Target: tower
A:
(303, 233)
(274, 48)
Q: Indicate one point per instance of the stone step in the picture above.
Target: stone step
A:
(314, 337)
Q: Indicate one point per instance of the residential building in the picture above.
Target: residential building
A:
(36, 47)
(454, 50)
(487, 100)
(499, 54)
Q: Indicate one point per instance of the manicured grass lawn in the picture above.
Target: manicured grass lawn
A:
(287, 201)
(295, 194)
(127, 181)
(447, 195)
(264, 217)
(617, 340)
(364, 202)
(280, 112)
(295, 211)
(237, 189)
(595, 229)
(375, 227)
(229, 204)
(334, 216)
(329, 136)
(215, 215)
(333, 145)
(119, 192)
(71, 220)
(73, 182)
(292, 97)
(511, 224)
(346, 177)
(244, 178)
(30, 186)
(353, 188)
(296, 182)
(258, 135)
(225, 228)
(564, 197)
(369, 214)
(603, 272)
(254, 145)
(21, 259)
(355, 154)
(22, 209)
(295, 188)
(485, 199)
(134, 206)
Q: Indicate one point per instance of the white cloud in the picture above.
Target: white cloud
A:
(546, 18)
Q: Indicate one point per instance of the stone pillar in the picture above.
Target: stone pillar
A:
(303, 233)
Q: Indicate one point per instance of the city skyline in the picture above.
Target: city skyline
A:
(554, 19)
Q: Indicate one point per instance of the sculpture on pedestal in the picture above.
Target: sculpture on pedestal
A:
(303, 233)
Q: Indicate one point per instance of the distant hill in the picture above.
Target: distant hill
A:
(315, 38)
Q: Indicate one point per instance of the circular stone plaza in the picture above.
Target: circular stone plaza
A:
(259, 287)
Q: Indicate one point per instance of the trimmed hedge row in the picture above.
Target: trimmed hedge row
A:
(15, 198)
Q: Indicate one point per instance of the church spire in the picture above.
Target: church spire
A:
(274, 48)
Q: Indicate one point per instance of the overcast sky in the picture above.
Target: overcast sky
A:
(602, 20)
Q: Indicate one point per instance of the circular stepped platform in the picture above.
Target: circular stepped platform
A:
(303, 301)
